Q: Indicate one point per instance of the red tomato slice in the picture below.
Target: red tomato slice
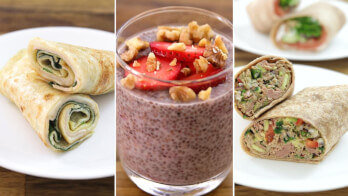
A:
(299, 122)
(312, 144)
(278, 9)
(269, 134)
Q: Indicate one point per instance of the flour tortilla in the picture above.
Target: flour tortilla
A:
(287, 94)
(325, 108)
(89, 71)
(262, 15)
(330, 17)
(61, 120)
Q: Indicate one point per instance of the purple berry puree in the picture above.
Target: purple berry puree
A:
(171, 142)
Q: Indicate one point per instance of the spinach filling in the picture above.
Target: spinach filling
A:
(302, 29)
(286, 4)
(54, 135)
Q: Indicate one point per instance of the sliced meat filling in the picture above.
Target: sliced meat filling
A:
(288, 138)
(258, 86)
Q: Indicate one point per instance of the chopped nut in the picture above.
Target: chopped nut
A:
(201, 65)
(129, 81)
(136, 64)
(204, 43)
(165, 33)
(199, 32)
(151, 62)
(186, 71)
(220, 44)
(215, 56)
(158, 65)
(137, 43)
(129, 55)
(173, 62)
(204, 94)
(182, 93)
(177, 47)
(185, 37)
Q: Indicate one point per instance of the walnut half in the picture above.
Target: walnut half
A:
(215, 56)
(182, 93)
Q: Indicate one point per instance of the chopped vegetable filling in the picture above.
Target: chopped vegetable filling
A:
(284, 138)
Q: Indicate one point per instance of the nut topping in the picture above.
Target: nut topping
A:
(201, 65)
(129, 81)
(165, 33)
(186, 71)
(185, 37)
(173, 62)
(204, 94)
(134, 46)
(177, 47)
(136, 64)
(199, 32)
(220, 44)
(182, 93)
(215, 56)
(204, 43)
(129, 55)
(151, 62)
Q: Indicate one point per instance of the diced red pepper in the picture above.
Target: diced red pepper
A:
(269, 134)
(311, 144)
(299, 122)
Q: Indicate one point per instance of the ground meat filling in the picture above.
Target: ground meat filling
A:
(258, 86)
(288, 138)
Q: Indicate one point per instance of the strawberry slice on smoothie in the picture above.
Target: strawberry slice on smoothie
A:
(188, 55)
(164, 71)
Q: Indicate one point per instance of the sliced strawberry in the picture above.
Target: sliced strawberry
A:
(204, 85)
(189, 55)
(166, 72)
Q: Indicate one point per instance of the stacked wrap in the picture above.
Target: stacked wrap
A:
(330, 17)
(73, 69)
(61, 120)
(325, 108)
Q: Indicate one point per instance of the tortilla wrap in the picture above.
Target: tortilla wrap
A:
(287, 94)
(73, 69)
(61, 120)
(331, 18)
(262, 15)
(325, 108)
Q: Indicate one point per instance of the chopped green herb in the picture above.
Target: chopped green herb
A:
(245, 116)
(47, 70)
(322, 148)
(278, 130)
(279, 123)
(257, 89)
(304, 133)
(247, 132)
(242, 92)
(299, 157)
(255, 73)
(287, 139)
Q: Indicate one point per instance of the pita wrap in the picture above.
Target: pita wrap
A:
(73, 69)
(287, 92)
(61, 120)
(331, 19)
(323, 108)
(262, 14)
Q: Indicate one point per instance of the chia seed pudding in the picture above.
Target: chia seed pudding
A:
(174, 143)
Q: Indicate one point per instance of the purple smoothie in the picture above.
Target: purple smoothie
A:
(171, 142)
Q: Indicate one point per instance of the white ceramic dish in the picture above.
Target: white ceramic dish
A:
(248, 39)
(22, 151)
(283, 176)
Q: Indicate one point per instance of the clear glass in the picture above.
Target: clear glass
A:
(173, 148)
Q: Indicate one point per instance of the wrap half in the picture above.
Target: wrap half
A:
(264, 13)
(61, 120)
(73, 69)
(305, 128)
(310, 29)
(262, 84)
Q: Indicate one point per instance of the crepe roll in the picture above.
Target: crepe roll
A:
(305, 128)
(60, 119)
(261, 84)
(264, 13)
(311, 29)
(73, 69)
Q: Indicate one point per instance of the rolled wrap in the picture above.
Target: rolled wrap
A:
(324, 108)
(61, 120)
(262, 14)
(330, 17)
(73, 69)
(287, 92)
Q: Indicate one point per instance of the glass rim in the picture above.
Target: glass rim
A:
(167, 9)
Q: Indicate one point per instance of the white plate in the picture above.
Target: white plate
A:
(248, 39)
(21, 149)
(283, 176)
